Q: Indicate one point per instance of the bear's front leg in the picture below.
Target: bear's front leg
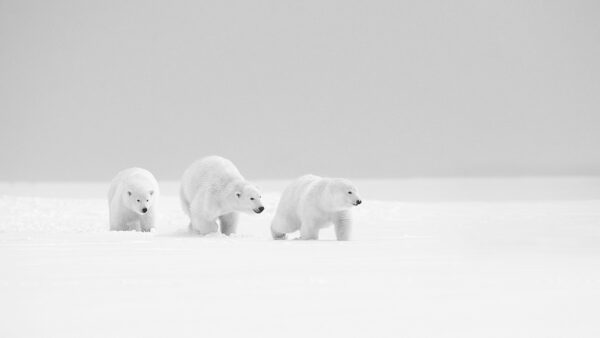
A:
(343, 225)
(146, 227)
(133, 225)
(147, 222)
(229, 223)
(118, 219)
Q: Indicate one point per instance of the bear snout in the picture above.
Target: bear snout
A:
(144, 210)
(259, 209)
(358, 202)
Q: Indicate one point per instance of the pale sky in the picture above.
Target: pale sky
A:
(283, 88)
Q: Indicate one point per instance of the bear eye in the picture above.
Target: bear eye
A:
(349, 192)
(252, 198)
(147, 201)
(138, 200)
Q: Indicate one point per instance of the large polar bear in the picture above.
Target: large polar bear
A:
(311, 202)
(131, 200)
(213, 189)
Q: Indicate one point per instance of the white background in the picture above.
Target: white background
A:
(338, 88)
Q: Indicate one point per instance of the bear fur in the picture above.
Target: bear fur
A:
(311, 203)
(213, 192)
(132, 199)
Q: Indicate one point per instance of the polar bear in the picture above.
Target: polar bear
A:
(213, 189)
(311, 203)
(132, 200)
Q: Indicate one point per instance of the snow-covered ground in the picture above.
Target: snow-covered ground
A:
(430, 258)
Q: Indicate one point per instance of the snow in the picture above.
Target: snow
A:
(474, 258)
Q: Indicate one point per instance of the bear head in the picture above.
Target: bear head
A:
(247, 198)
(138, 198)
(343, 194)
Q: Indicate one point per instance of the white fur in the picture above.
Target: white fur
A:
(311, 203)
(130, 192)
(213, 189)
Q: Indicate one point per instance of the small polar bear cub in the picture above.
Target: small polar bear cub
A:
(132, 198)
(311, 203)
(213, 192)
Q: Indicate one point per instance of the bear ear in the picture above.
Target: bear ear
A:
(151, 192)
(129, 193)
(238, 194)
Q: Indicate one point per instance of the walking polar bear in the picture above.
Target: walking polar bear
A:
(311, 203)
(132, 196)
(212, 189)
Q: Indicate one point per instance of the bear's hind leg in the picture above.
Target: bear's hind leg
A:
(228, 223)
(200, 221)
(309, 230)
(204, 227)
(277, 235)
(280, 226)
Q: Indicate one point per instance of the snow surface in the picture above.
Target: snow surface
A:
(469, 262)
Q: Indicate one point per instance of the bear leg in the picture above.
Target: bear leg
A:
(132, 225)
(343, 225)
(147, 221)
(228, 223)
(277, 235)
(203, 226)
(281, 225)
(309, 231)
